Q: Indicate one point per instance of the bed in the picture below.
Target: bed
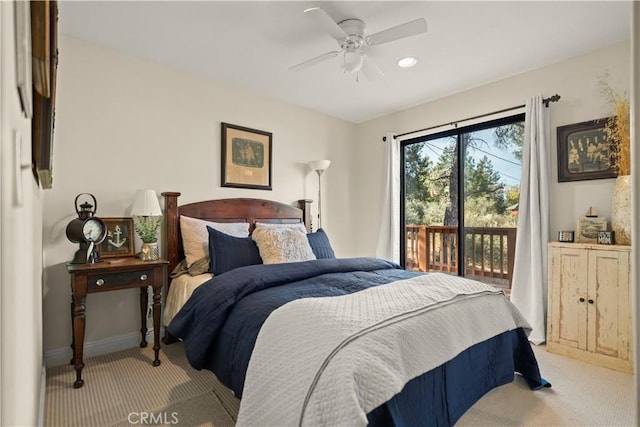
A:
(332, 341)
(247, 210)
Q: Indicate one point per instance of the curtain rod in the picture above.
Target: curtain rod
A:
(545, 101)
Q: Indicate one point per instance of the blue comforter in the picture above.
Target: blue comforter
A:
(230, 308)
(220, 323)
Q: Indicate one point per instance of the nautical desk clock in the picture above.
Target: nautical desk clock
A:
(87, 230)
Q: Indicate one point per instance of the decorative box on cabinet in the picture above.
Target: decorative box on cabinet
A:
(589, 313)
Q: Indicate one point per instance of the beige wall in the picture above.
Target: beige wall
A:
(123, 123)
(20, 250)
(574, 80)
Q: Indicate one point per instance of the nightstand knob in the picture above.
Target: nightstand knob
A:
(143, 277)
(581, 299)
(590, 301)
(100, 282)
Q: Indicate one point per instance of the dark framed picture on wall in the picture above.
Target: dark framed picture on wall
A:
(246, 157)
(584, 152)
(44, 63)
(119, 240)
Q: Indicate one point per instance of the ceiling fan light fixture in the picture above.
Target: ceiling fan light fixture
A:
(407, 62)
(352, 62)
(354, 43)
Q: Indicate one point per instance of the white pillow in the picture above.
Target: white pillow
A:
(296, 225)
(195, 237)
(282, 244)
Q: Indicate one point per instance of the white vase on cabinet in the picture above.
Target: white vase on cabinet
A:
(621, 210)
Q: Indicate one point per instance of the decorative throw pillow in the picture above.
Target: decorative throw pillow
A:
(195, 238)
(319, 242)
(297, 225)
(227, 252)
(282, 244)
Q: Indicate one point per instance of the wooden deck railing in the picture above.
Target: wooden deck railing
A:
(489, 251)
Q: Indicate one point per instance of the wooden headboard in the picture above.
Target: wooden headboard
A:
(225, 210)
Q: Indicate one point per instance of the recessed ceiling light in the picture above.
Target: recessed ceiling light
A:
(406, 62)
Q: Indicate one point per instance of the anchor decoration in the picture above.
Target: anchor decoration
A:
(115, 238)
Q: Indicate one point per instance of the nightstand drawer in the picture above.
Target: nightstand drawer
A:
(100, 282)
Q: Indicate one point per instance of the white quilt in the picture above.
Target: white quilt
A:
(330, 361)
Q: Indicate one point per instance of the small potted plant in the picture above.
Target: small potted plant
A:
(147, 217)
(147, 229)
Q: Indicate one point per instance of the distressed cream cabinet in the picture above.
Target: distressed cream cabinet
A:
(589, 312)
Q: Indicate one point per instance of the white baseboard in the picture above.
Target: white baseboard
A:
(61, 356)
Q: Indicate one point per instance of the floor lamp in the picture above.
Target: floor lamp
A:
(319, 166)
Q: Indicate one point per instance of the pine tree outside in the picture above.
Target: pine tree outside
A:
(489, 191)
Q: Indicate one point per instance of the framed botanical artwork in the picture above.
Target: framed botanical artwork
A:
(246, 157)
(584, 152)
(588, 229)
(119, 240)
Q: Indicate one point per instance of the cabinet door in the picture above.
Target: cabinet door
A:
(568, 285)
(609, 315)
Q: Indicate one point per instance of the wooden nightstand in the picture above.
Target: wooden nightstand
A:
(112, 275)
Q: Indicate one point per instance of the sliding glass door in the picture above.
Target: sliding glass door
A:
(460, 193)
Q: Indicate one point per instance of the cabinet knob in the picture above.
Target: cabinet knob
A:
(581, 300)
(590, 301)
(100, 282)
(143, 277)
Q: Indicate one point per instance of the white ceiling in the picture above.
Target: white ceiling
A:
(251, 44)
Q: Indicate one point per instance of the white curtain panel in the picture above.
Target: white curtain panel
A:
(529, 286)
(389, 237)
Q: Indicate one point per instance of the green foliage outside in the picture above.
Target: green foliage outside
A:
(430, 186)
(431, 196)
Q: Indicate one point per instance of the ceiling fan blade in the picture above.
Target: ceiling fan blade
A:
(371, 70)
(313, 61)
(323, 21)
(401, 31)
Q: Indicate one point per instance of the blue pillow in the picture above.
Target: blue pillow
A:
(228, 252)
(319, 242)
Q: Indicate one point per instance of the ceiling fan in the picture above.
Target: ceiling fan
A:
(354, 44)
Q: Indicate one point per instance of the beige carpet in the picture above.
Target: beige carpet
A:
(582, 395)
(122, 387)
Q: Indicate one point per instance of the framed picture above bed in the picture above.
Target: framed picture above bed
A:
(584, 152)
(246, 157)
(119, 241)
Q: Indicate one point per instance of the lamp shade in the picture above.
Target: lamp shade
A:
(319, 165)
(146, 204)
